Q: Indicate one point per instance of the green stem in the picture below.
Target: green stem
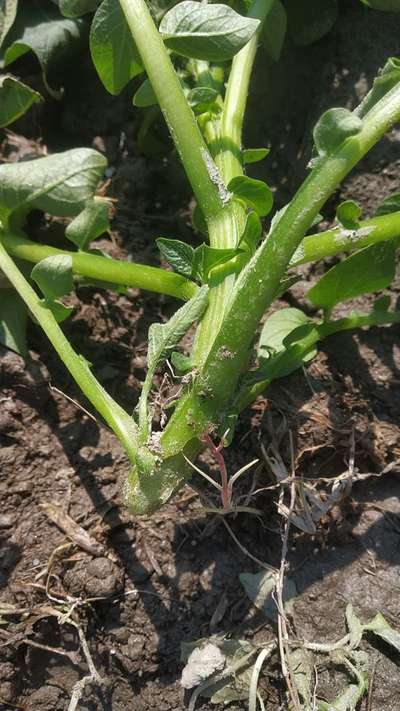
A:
(291, 359)
(94, 266)
(331, 242)
(119, 420)
(258, 282)
(177, 112)
(225, 140)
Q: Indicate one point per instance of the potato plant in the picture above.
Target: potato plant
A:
(196, 61)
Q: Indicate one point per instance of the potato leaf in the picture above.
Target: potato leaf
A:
(114, 53)
(309, 20)
(13, 320)
(254, 193)
(40, 28)
(201, 31)
(15, 99)
(89, 224)
(387, 78)
(59, 184)
(381, 628)
(390, 204)
(276, 329)
(274, 30)
(302, 665)
(259, 588)
(179, 255)
(53, 275)
(254, 155)
(205, 258)
(354, 626)
(348, 214)
(76, 8)
(251, 233)
(333, 128)
(371, 269)
(145, 95)
(202, 99)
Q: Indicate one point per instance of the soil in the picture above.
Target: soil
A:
(147, 585)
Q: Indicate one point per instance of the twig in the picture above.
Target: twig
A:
(283, 636)
(253, 693)
(245, 551)
(219, 458)
(92, 678)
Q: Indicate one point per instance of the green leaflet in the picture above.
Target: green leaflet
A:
(254, 193)
(113, 50)
(309, 20)
(194, 263)
(277, 328)
(59, 184)
(254, 155)
(348, 214)
(201, 31)
(90, 223)
(15, 99)
(145, 95)
(53, 275)
(252, 233)
(39, 27)
(202, 99)
(381, 628)
(13, 321)
(371, 269)
(76, 8)
(163, 339)
(273, 31)
(333, 128)
(390, 204)
(388, 78)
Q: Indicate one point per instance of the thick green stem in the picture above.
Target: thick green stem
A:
(94, 266)
(259, 281)
(177, 112)
(225, 140)
(119, 420)
(331, 242)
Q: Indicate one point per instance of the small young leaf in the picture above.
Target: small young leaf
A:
(113, 50)
(181, 363)
(255, 193)
(59, 310)
(206, 258)
(13, 321)
(145, 95)
(254, 155)
(309, 20)
(202, 99)
(354, 626)
(53, 275)
(89, 224)
(15, 99)
(277, 327)
(179, 255)
(302, 665)
(371, 269)
(40, 28)
(252, 233)
(385, 5)
(76, 8)
(59, 184)
(333, 128)
(390, 204)
(274, 30)
(201, 31)
(387, 78)
(348, 214)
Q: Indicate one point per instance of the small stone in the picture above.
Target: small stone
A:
(7, 520)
